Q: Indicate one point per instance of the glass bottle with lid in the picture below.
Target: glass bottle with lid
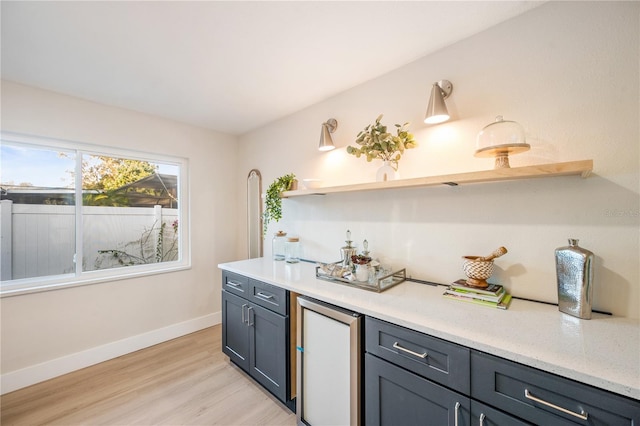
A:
(347, 251)
(277, 245)
(292, 250)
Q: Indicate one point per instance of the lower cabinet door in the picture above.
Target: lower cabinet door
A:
(483, 415)
(235, 332)
(268, 346)
(394, 396)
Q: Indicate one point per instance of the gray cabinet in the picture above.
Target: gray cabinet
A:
(236, 284)
(268, 349)
(435, 359)
(412, 378)
(395, 396)
(415, 379)
(544, 398)
(235, 332)
(256, 334)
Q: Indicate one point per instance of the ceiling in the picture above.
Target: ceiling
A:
(230, 66)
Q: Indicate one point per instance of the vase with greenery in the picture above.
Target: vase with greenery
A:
(273, 202)
(374, 142)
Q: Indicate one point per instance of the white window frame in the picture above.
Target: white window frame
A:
(79, 277)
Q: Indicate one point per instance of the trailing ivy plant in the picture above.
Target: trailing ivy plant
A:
(273, 202)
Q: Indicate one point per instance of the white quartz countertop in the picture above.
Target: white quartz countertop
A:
(603, 352)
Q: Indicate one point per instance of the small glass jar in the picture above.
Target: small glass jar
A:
(292, 250)
(362, 272)
(277, 245)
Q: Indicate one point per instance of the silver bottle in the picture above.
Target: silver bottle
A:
(574, 269)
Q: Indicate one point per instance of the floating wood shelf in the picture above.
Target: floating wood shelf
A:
(582, 168)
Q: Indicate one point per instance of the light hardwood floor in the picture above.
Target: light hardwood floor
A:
(186, 381)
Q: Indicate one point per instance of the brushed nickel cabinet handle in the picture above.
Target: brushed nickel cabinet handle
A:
(409, 351)
(455, 414)
(582, 415)
(482, 417)
(242, 313)
(249, 323)
(234, 284)
(264, 295)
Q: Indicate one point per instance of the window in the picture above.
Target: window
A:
(73, 214)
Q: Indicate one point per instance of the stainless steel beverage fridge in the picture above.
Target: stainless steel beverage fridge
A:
(328, 364)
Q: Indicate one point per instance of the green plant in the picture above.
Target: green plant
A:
(273, 202)
(376, 142)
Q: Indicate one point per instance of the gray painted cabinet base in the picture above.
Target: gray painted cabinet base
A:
(412, 378)
(268, 350)
(235, 333)
(415, 379)
(546, 399)
(255, 333)
(395, 396)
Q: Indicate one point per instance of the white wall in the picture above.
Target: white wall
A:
(44, 334)
(568, 72)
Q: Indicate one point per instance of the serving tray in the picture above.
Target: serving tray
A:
(381, 284)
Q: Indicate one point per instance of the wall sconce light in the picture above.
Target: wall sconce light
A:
(326, 143)
(437, 109)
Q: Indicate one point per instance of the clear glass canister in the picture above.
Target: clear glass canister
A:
(277, 245)
(292, 250)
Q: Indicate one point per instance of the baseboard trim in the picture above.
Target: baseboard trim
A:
(28, 376)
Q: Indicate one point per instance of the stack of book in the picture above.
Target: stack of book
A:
(494, 295)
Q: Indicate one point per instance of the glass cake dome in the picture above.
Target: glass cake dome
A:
(499, 139)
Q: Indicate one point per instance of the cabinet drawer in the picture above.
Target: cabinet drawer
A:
(543, 398)
(235, 283)
(268, 296)
(440, 361)
(395, 396)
